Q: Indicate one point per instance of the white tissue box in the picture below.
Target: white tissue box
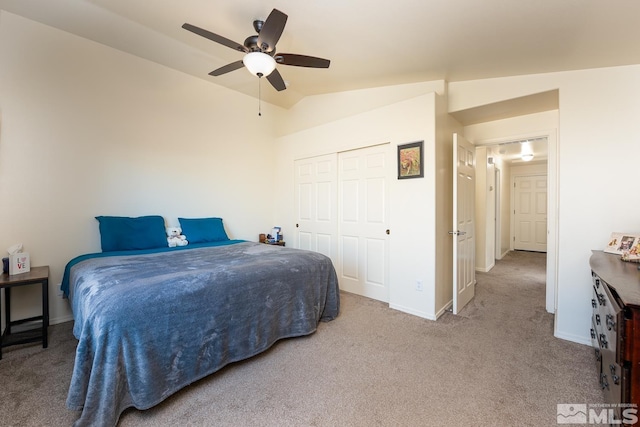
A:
(19, 263)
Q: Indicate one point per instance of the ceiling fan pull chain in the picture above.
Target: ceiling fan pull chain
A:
(259, 97)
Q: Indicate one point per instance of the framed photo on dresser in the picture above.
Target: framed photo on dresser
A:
(623, 243)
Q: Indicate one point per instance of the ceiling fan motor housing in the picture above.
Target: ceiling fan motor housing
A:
(251, 43)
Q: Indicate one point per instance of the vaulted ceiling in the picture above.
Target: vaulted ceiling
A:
(369, 43)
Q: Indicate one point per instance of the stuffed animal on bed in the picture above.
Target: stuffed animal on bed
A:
(175, 237)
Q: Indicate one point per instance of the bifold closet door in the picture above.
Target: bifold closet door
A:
(315, 203)
(363, 211)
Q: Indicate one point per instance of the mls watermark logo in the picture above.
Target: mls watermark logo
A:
(599, 413)
(572, 413)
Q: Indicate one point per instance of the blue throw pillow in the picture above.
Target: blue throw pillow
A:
(121, 233)
(201, 230)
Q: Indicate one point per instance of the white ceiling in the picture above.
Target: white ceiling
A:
(369, 43)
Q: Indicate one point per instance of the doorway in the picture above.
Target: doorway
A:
(507, 162)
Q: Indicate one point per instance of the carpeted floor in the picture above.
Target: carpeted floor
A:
(495, 364)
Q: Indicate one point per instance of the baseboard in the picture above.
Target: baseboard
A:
(487, 269)
(580, 339)
(446, 307)
(412, 311)
(62, 319)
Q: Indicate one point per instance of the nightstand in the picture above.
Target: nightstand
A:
(17, 331)
(278, 243)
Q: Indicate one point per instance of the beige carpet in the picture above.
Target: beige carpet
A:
(496, 364)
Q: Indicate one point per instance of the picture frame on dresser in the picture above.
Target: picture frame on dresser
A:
(619, 243)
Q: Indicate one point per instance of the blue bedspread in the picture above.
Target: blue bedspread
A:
(67, 270)
(150, 324)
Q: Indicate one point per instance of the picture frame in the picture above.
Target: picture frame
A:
(624, 243)
(411, 160)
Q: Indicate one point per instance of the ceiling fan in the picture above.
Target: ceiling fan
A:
(260, 50)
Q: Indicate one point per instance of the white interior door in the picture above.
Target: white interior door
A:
(464, 188)
(315, 202)
(530, 213)
(363, 177)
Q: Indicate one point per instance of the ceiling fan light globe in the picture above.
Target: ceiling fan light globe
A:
(259, 64)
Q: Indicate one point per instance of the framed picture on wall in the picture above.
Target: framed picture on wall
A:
(410, 160)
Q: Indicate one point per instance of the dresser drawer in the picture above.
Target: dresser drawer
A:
(611, 378)
(607, 318)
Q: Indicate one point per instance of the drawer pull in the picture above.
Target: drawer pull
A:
(601, 299)
(614, 377)
(603, 381)
(603, 341)
(611, 323)
(593, 333)
(598, 319)
(593, 303)
(597, 283)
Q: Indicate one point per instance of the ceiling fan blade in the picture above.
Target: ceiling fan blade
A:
(271, 30)
(276, 80)
(227, 68)
(214, 37)
(301, 60)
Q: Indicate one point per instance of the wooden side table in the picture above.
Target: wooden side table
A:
(26, 334)
(278, 243)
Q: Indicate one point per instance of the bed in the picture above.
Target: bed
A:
(152, 321)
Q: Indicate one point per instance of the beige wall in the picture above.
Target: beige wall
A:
(504, 188)
(446, 126)
(87, 130)
(316, 110)
(484, 224)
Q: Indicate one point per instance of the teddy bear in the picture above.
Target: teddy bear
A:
(175, 237)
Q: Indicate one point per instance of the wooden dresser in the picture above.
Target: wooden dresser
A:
(615, 326)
